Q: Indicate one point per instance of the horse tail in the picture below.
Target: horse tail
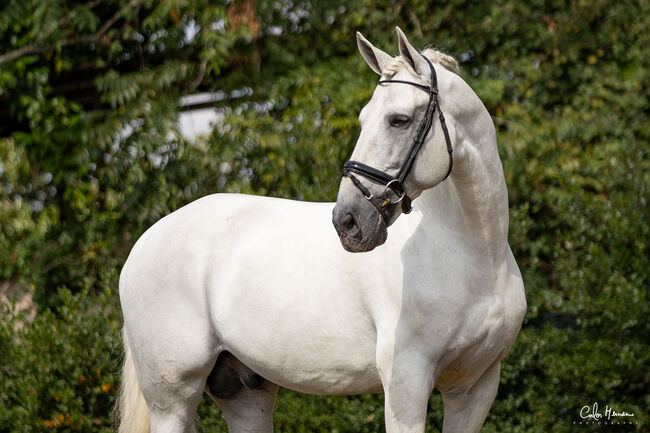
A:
(131, 407)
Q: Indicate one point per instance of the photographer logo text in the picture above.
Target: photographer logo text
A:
(611, 415)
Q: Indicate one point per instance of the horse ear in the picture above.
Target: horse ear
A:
(410, 54)
(376, 58)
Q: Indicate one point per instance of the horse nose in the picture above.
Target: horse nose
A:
(349, 226)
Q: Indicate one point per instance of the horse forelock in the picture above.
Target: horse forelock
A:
(436, 56)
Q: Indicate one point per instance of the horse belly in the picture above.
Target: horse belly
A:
(289, 307)
(298, 331)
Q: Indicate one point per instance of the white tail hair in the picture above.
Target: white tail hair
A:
(131, 407)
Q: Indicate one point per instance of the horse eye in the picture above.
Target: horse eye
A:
(399, 121)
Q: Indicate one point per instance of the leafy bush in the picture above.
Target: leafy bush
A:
(61, 370)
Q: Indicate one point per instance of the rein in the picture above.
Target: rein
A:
(396, 183)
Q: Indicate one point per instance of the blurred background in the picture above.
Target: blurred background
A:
(114, 113)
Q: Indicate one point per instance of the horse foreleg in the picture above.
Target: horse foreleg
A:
(467, 407)
(249, 410)
(407, 380)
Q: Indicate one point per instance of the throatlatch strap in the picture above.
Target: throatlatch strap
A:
(443, 123)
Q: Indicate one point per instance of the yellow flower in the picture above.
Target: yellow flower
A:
(50, 423)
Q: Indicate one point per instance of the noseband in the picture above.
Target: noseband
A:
(396, 183)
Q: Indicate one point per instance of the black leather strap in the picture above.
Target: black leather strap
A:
(421, 86)
(450, 150)
(378, 202)
(374, 174)
(379, 177)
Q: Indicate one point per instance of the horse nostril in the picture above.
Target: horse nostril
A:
(349, 224)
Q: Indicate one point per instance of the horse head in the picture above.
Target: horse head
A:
(399, 152)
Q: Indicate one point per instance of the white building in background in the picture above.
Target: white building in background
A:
(198, 122)
(199, 113)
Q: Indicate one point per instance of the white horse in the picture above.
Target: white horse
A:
(237, 295)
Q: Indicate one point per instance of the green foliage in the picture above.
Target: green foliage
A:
(61, 371)
(90, 156)
(91, 106)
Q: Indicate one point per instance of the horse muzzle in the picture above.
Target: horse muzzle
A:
(358, 223)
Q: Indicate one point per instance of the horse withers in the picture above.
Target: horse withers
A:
(238, 295)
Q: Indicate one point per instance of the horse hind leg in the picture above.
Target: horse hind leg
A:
(162, 394)
(246, 400)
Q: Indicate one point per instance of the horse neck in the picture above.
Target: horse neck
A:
(473, 201)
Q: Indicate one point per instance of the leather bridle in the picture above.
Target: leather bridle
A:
(396, 183)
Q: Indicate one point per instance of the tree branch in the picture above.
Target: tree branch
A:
(416, 22)
(23, 51)
(199, 78)
(38, 47)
